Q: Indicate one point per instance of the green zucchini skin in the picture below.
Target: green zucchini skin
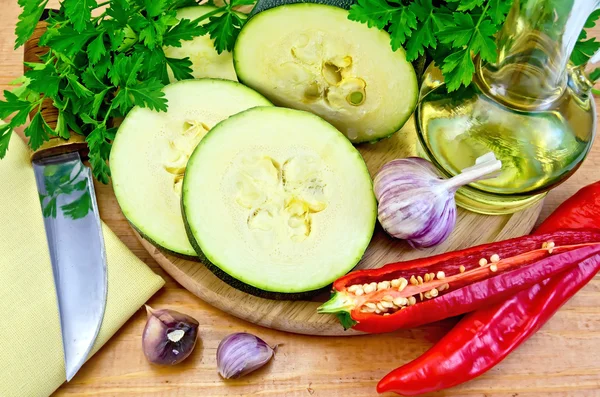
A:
(237, 284)
(262, 5)
(192, 258)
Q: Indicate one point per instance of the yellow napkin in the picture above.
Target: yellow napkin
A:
(31, 356)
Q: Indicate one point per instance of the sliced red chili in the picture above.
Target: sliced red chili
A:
(409, 294)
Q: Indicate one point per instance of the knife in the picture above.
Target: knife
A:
(73, 232)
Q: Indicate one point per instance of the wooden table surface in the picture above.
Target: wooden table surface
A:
(560, 360)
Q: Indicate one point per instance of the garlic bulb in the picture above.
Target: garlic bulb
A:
(416, 204)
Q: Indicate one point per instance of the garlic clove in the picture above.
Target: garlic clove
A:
(169, 336)
(241, 353)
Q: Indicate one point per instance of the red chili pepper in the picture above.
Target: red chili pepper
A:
(454, 283)
(580, 211)
(485, 337)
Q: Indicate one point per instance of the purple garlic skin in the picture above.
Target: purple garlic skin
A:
(169, 336)
(414, 205)
(241, 353)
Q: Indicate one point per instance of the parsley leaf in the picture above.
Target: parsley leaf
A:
(401, 27)
(28, 19)
(96, 49)
(498, 10)
(79, 12)
(100, 168)
(184, 30)
(67, 40)
(148, 93)
(458, 68)
(482, 42)
(424, 35)
(155, 7)
(375, 13)
(181, 68)
(45, 81)
(12, 104)
(79, 89)
(224, 29)
(37, 131)
(467, 5)
(585, 49)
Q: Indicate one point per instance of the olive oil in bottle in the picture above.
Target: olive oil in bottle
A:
(531, 108)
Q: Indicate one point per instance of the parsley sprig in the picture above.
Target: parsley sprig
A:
(450, 32)
(103, 59)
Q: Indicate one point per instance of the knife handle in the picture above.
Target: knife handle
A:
(56, 145)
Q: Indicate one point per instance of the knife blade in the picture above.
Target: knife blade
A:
(77, 253)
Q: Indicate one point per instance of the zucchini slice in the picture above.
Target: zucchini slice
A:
(151, 149)
(206, 62)
(312, 57)
(278, 203)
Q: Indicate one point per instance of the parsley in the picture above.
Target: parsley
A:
(103, 59)
(585, 48)
(452, 32)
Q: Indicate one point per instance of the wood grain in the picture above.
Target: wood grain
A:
(559, 361)
(301, 316)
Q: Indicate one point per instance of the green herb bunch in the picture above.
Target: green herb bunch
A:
(103, 59)
(451, 32)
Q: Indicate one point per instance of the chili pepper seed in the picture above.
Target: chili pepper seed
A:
(494, 268)
(370, 305)
(383, 285)
(400, 301)
(381, 307)
(434, 292)
(395, 283)
(369, 288)
(412, 300)
(427, 295)
(388, 298)
(483, 262)
(413, 280)
(441, 275)
(387, 305)
(462, 269)
(426, 278)
(420, 279)
(385, 314)
(359, 291)
(494, 258)
(403, 283)
(353, 288)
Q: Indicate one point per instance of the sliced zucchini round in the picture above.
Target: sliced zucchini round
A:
(206, 61)
(278, 202)
(151, 149)
(312, 57)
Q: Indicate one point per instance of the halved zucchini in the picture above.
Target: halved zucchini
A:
(151, 149)
(206, 62)
(312, 57)
(278, 203)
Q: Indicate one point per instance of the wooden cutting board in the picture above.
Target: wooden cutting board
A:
(301, 316)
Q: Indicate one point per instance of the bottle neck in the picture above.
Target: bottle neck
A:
(534, 47)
